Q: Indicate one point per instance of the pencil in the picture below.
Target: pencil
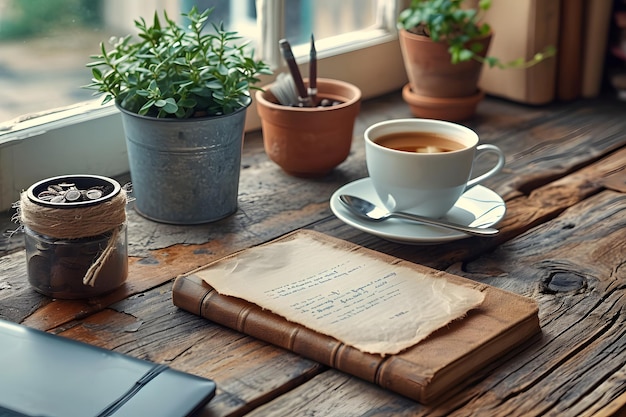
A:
(312, 71)
(293, 69)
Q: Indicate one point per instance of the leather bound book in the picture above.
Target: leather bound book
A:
(569, 68)
(438, 365)
(596, 25)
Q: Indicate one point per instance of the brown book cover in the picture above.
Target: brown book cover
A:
(521, 29)
(569, 71)
(438, 365)
(595, 27)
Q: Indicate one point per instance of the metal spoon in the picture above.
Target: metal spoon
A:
(368, 211)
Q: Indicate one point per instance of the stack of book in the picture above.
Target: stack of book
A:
(579, 29)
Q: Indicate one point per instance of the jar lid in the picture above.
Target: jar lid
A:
(73, 191)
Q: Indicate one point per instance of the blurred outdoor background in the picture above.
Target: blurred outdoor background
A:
(45, 44)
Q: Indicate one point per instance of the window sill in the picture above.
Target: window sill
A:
(89, 138)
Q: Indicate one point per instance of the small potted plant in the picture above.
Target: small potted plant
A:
(310, 141)
(444, 45)
(307, 123)
(183, 93)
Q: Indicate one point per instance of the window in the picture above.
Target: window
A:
(50, 126)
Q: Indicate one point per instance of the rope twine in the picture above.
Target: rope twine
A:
(76, 223)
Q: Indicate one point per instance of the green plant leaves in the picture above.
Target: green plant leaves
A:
(171, 71)
(168, 105)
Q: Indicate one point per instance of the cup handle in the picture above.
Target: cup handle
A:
(483, 149)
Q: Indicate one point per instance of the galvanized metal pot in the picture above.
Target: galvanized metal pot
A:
(185, 171)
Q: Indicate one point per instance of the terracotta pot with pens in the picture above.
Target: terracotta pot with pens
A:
(309, 137)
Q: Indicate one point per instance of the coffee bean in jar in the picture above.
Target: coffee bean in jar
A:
(75, 236)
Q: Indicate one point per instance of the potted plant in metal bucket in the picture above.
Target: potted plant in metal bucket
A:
(183, 95)
(444, 45)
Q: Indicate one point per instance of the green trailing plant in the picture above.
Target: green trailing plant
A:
(449, 21)
(177, 72)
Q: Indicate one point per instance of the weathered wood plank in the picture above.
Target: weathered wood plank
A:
(616, 408)
(316, 398)
(573, 266)
(552, 145)
(17, 298)
(576, 257)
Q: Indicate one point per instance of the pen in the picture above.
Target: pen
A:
(295, 72)
(312, 71)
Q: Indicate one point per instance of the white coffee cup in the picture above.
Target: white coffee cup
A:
(428, 184)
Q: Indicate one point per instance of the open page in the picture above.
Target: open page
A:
(358, 299)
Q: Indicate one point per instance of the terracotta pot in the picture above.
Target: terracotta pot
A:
(310, 141)
(452, 109)
(430, 71)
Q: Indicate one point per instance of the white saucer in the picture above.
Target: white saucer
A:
(479, 207)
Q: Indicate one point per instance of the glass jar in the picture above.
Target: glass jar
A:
(57, 267)
(75, 236)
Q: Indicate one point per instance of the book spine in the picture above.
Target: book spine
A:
(569, 79)
(191, 294)
(596, 29)
(543, 32)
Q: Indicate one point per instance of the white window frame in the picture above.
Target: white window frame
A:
(88, 137)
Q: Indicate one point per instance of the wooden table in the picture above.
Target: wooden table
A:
(563, 243)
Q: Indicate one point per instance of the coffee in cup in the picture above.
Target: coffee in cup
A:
(419, 142)
(423, 166)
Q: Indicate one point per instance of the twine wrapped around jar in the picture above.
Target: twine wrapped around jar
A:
(78, 222)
